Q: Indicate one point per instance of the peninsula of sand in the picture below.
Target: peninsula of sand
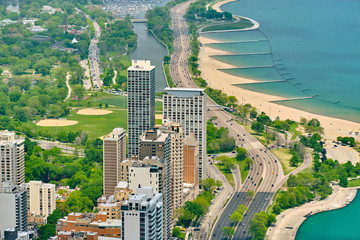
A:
(217, 79)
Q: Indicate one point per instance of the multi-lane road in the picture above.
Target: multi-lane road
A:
(265, 171)
(94, 57)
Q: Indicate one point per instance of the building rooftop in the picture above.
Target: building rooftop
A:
(122, 184)
(141, 65)
(144, 195)
(10, 187)
(190, 140)
(185, 92)
(153, 136)
(115, 134)
(9, 138)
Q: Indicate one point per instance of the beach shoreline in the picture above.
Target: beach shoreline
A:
(209, 67)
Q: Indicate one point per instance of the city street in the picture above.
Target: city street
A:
(94, 57)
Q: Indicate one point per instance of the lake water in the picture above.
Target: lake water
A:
(314, 46)
(340, 224)
(149, 48)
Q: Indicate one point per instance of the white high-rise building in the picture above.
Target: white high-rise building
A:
(12, 163)
(141, 215)
(13, 207)
(41, 198)
(114, 152)
(188, 107)
(141, 102)
(155, 172)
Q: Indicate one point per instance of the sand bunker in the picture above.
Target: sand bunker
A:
(92, 111)
(56, 123)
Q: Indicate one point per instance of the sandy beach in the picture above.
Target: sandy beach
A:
(216, 79)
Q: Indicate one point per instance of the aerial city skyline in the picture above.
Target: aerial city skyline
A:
(186, 119)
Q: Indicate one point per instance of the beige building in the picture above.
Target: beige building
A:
(124, 169)
(12, 163)
(41, 198)
(113, 154)
(111, 205)
(152, 143)
(177, 146)
(112, 208)
(122, 191)
(191, 163)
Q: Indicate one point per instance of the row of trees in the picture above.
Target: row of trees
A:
(235, 219)
(260, 223)
(193, 210)
(218, 140)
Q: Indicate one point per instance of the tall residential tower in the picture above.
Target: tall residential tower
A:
(141, 215)
(188, 107)
(114, 151)
(141, 102)
(12, 163)
(13, 207)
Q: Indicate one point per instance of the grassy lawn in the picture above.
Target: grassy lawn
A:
(243, 23)
(354, 183)
(94, 125)
(293, 130)
(118, 101)
(259, 136)
(228, 174)
(243, 173)
(158, 107)
(121, 101)
(283, 154)
(168, 76)
(98, 125)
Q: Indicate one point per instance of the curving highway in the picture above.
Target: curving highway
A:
(265, 175)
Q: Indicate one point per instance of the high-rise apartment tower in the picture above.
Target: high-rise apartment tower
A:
(141, 102)
(13, 207)
(188, 107)
(154, 143)
(12, 163)
(141, 215)
(114, 152)
(177, 146)
(41, 197)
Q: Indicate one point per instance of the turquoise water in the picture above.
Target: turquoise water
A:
(246, 61)
(260, 46)
(315, 45)
(340, 224)
(283, 89)
(260, 74)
